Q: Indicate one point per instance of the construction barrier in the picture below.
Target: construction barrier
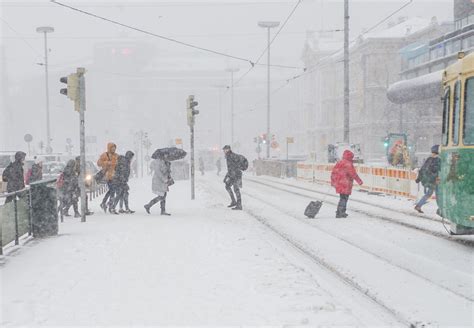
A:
(388, 180)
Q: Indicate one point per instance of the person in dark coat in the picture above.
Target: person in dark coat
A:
(161, 168)
(233, 178)
(14, 175)
(429, 177)
(70, 189)
(120, 181)
(342, 178)
(78, 171)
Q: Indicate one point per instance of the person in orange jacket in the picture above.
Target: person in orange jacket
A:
(342, 178)
(107, 162)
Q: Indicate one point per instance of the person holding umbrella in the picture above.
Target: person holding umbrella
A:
(161, 168)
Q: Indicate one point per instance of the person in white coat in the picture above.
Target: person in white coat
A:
(161, 169)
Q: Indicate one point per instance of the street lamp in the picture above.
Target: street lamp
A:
(45, 30)
(232, 71)
(268, 26)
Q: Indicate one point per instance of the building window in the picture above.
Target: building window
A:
(446, 99)
(456, 112)
(468, 124)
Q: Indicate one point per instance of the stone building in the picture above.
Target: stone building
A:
(374, 65)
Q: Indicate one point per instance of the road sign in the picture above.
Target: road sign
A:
(28, 137)
(290, 140)
(179, 141)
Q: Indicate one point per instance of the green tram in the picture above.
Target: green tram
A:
(456, 188)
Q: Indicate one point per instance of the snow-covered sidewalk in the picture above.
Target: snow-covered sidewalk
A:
(204, 265)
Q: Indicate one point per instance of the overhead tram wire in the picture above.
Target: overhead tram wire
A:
(313, 68)
(215, 52)
(38, 54)
(271, 42)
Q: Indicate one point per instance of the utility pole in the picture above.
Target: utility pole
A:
(346, 72)
(191, 113)
(268, 26)
(232, 71)
(45, 30)
(82, 109)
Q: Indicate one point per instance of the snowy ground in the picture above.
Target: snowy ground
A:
(208, 265)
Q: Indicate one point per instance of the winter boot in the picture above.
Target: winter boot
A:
(147, 208)
(103, 207)
(418, 209)
(238, 206)
(77, 215)
(128, 211)
(163, 208)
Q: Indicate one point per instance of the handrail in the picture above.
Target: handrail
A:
(14, 193)
(43, 181)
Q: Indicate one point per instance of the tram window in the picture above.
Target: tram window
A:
(456, 111)
(447, 98)
(468, 130)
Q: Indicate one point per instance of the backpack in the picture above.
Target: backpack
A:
(60, 181)
(242, 163)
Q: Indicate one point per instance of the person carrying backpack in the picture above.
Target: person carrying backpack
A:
(235, 165)
(342, 178)
(428, 176)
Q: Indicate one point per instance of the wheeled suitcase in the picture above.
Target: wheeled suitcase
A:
(312, 209)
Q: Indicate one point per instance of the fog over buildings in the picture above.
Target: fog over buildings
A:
(138, 82)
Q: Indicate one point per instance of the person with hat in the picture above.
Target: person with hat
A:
(233, 178)
(429, 177)
(13, 175)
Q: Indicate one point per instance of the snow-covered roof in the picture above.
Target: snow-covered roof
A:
(418, 88)
(403, 29)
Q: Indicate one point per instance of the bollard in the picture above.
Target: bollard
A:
(17, 242)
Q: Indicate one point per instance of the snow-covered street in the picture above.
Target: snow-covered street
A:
(208, 265)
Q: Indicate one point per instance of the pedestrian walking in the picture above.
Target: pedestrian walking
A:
(107, 162)
(201, 165)
(14, 175)
(70, 189)
(342, 179)
(429, 177)
(87, 184)
(35, 173)
(161, 168)
(219, 166)
(120, 182)
(233, 180)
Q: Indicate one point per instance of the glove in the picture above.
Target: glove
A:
(417, 180)
(170, 182)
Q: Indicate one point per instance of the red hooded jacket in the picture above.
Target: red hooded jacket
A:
(343, 174)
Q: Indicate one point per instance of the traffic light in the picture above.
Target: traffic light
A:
(191, 112)
(386, 142)
(72, 90)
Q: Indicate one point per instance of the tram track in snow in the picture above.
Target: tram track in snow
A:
(324, 264)
(353, 244)
(415, 226)
(289, 227)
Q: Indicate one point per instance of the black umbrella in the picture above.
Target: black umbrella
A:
(172, 153)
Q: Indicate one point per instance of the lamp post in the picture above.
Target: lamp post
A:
(45, 30)
(232, 71)
(268, 26)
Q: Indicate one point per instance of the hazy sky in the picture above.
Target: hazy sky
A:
(225, 26)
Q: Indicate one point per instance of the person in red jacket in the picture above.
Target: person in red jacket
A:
(342, 177)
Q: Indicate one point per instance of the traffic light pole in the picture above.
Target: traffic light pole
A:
(192, 162)
(82, 131)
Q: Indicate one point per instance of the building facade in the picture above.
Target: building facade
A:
(374, 65)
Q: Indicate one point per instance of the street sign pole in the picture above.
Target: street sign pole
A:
(82, 129)
(192, 162)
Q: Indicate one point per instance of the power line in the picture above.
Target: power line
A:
(271, 42)
(22, 38)
(164, 37)
(313, 68)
